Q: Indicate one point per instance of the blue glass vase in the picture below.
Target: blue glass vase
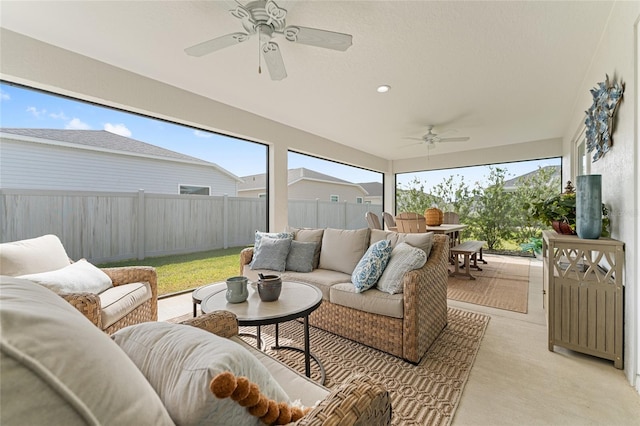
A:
(589, 206)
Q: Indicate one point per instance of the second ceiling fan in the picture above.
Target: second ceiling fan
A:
(266, 19)
(431, 138)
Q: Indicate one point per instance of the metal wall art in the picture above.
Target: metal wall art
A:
(599, 121)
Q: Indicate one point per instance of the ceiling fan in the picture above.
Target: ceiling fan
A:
(266, 19)
(431, 138)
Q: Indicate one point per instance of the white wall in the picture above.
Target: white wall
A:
(617, 56)
(43, 166)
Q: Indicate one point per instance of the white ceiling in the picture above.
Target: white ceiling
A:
(499, 72)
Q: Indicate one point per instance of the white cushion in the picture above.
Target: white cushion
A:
(180, 360)
(342, 249)
(31, 256)
(371, 266)
(60, 369)
(117, 302)
(420, 240)
(404, 258)
(78, 277)
(373, 300)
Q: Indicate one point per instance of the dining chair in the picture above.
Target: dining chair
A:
(372, 220)
(452, 218)
(411, 223)
(390, 221)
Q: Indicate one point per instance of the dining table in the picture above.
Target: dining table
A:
(451, 229)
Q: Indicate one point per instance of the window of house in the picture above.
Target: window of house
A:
(194, 190)
(334, 198)
(359, 200)
(262, 195)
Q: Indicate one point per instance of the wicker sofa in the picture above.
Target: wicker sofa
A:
(406, 331)
(59, 369)
(131, 296)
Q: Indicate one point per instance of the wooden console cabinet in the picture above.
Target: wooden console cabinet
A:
(583, 293)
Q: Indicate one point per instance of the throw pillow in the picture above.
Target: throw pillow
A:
(308, 235)
(180, 361)
(271, 254)
(422, 241)
(277, 235)
(300, 257)
(342, 249)
(371, 266)
(59, 368)
(78, 277)
(32, 256)
(404, 258)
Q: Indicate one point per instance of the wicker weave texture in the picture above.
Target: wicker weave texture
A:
(139, 315)
(358, 401)
(425, 310)
(221, 323)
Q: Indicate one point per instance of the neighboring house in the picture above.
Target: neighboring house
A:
(97, 160)
(511, 184)
(305, 184)
(375, 192)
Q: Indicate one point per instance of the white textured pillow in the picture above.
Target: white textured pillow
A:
(79, 277)
(342, 249)
(180, 360)
(404, 258)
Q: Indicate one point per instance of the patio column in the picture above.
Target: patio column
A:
(278, 188)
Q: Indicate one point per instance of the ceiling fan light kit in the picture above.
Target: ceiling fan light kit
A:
(267, 19)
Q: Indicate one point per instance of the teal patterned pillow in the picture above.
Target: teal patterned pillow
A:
(371, 266)
(300, 257)
(272, 254)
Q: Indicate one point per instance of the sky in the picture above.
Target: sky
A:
(25, 108)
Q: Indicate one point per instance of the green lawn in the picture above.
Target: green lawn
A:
(187, 271)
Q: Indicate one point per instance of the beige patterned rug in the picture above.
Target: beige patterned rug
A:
(423, 394)
(503, 283)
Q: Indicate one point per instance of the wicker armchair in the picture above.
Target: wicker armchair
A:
(90, 306)
(114, 308)
(357, 401)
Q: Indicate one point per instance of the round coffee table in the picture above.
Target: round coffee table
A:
(297, 300)
(201, 293)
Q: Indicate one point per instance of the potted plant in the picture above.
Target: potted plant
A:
(559, 212)
(534, 245)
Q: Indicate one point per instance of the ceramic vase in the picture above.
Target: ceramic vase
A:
(237, 291)
(589, 206)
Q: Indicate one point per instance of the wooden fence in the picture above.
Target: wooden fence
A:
(110, 226)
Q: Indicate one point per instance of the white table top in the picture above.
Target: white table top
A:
(446, 228)
(296, 300)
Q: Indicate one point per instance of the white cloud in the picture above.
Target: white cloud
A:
(4, 96)
(58, 116)
(36, 112)
(77, 124)
(201, 134)
(118, 129)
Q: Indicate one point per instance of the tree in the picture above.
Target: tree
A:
(491, 215)
(532, 188)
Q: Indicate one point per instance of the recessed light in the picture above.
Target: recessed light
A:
(383, 89)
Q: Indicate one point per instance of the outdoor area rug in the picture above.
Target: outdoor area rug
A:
(503, 283)
(424, 394)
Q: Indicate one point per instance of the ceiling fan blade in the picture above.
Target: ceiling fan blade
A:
(273, 59)
(215, 44)
(319, 38)
(463, 139)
